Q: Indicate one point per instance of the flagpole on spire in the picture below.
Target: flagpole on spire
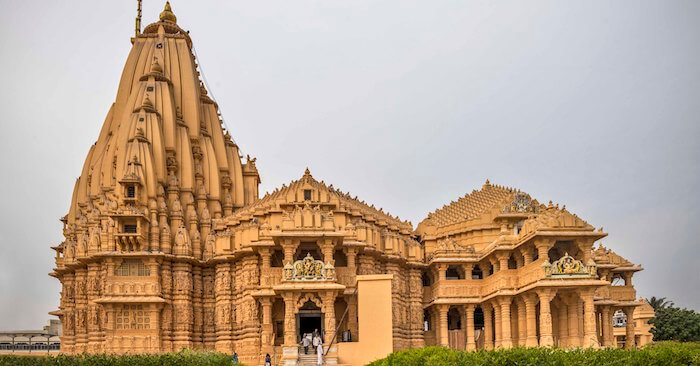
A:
(138, 18)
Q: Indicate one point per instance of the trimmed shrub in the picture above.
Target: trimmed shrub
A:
(182, 358)
(659, 354)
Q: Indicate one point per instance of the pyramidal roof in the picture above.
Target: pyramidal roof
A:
(289, 193)
(162, 131)
(471, 205)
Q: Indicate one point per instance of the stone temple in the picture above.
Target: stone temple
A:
(168, 246)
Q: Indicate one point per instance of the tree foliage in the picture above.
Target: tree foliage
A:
(658, 303)
(675, 324)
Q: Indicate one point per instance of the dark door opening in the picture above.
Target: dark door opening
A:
(308, 323)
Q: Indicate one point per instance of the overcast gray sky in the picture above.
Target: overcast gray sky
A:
(407, 104)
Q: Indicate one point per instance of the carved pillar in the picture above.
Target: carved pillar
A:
(522, 323)
(497, 325)
(166, 285)
(330, 331)
(630, 341)
(488, 326)
(444, 339)
(563, 325)
(468, 268)
(589, 335)
(573, 339)
(352, 317)
(290, 351)
(224, 308)
(288, 247)
(350, 253)
(502, 260)
(506, 337)
(527, 255)
(442, 274)
(267, 341)
(606, 326)
(327, 247)
(265, 267)
(197, 308)
(531, 316)
(416, 308)
(182, 305)
(546, 338)
(543, 246)
(469, 325)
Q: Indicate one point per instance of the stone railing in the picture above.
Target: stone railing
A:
(622, 293)
(275, 276)
(457, 288)
(309, 269)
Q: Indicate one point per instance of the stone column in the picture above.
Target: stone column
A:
(468, 267)
(573, 321)
(267, 341)
(563, 325)
(546, 338)
(444, 338)
(605, 326)
(629, 335)
(416, 308)
(469, 326)
(543, 246)
(290, 351)
(506, 337)
(350, 253)
(352, 318)
(330, 331)
(589, 328)
(503, 261)
(223, 298)
(442, 275)
(497, 325)
(488, 326)
(522, 323)
(288, 246)
(527, 255)
(265, 264)
(531, 316)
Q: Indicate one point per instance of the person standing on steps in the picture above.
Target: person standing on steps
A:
(318, 346)
(305, 341)
(268, 361)
(235, 358)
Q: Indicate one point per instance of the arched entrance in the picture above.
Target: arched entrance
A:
(309, 319)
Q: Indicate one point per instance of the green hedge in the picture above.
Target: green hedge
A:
(661, 354)
(182, 358)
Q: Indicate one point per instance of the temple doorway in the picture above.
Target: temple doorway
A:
(309, 319)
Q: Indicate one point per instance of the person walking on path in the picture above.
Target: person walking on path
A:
(268, 361)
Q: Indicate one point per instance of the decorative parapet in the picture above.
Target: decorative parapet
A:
(309, 269)
(567, 266)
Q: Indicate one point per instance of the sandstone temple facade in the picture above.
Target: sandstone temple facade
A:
(168, 246)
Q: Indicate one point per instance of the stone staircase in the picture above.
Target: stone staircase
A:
(307, 360)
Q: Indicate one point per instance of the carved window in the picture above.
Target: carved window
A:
(131, 191)
(132, 267)
(307, 195)
(130, 228)
(454, 273)
(131, 317)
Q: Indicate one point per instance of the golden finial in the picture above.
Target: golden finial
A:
(167, 14)
(307, 172)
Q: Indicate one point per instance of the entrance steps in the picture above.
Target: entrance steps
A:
(307, 360)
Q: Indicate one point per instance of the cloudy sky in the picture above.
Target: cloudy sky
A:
(407, 104)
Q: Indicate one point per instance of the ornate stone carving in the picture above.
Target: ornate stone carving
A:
(309, 269)
(568, 266)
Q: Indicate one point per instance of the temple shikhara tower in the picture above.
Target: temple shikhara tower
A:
(168, 246)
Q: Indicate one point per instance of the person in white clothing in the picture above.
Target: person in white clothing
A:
(318, 345)
(319, 354)
(306, 341)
